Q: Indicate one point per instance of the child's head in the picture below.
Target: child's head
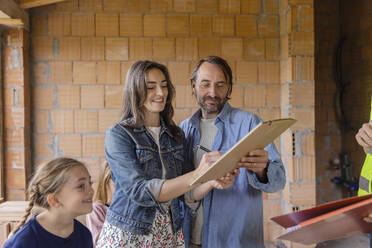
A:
(104, 190)
(62, 183)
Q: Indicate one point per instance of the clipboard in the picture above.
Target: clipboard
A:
(338, 219)
(258, 138)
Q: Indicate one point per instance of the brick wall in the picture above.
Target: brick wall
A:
(16, 112)
(81, 51)
(357, 61)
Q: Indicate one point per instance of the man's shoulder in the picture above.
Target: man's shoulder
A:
(244, 115)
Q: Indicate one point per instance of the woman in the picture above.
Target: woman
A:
(148, 164)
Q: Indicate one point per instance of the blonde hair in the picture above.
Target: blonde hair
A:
(49, 178)
(103, 186)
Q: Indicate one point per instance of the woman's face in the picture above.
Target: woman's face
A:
(157, 91)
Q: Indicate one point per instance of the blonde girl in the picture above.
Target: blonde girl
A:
(101, 202)
(62, 187)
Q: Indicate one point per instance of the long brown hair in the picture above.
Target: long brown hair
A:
(103, 187)
(135, 93)
(49, 178)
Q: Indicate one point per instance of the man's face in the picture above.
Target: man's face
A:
(210, 89)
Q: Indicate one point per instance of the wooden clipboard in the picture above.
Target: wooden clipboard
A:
(262, 135)
(329, 221)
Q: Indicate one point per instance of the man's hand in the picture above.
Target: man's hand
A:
(364, 136)
(256, 161)
(368, 218)
(226, 181)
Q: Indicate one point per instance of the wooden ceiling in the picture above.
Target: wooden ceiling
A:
(15, 14)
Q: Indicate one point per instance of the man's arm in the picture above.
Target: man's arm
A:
(364, 137)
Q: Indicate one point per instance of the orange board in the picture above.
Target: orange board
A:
(329, 221)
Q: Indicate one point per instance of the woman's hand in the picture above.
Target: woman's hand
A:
(226, 181)
(368, 218)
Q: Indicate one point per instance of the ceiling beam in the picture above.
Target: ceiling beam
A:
(11, 22)
(26, 4)
(12, 10)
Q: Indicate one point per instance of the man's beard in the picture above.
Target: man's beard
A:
(211, 109)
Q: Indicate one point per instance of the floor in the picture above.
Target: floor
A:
(354, 242)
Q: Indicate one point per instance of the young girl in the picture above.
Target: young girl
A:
(149, 165)
(63, 187)
(101, 202)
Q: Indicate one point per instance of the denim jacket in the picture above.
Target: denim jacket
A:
(135, 162)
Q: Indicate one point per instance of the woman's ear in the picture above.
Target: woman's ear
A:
(53, 201)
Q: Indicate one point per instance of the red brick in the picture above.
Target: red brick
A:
(302, 44)
(68, 96)
(246, 72)
(164, 48)
(83, 24)
(184, 5)
(209, 46)
(254, 49)
(141, 6)
(306, 19)
(42, 47)
(180, 72)
(154, 25)
(15, 178)
(39, 25)
(302, 193)
(60, 72)
(246, 26)
(210, 6)
(140, 48)
(232, 48)
(92, 48)
(306, 68)
(184, 97)
(93, 145)
(90, 5)
(302, 94)
(251, 7)
(270, 114)
(186, 49)
(43, 145)
(178, 25)
(42, 97)
(107, 24)
(15, 159)
(71, 5)
(269, 27)
(114, 6)
(15, 195)
(92, 96)
(113, 96)
(273, 95)
(14, 138)
(272, 49)
(201, 25)
(62, 121)
(272, 6)
(254, 96)
(84, 72)
(116, 48)
(109, 72)
(223, 25)
(42, 120)
(124, 67)
(69, 48)
(107, 118)
(229, 6)
(70, 145)
(237, 97)
(131, 25)
(40, 72)
(59, 24)
(269, 72)
(305, 118)
(86, 121)
(161, 5)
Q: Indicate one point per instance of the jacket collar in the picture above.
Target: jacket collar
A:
(141, 128)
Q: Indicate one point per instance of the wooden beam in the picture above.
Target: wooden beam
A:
(11, 9)
(11, 22)
(26, 4)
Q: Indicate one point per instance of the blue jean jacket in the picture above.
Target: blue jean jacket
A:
(233, 217)
(134, 160)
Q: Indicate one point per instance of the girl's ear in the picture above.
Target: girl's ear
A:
(53, 201)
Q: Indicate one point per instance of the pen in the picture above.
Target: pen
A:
(203, 148)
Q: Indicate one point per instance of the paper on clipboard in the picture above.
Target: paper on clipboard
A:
(262, 135)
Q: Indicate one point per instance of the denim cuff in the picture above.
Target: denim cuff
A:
(275, 179)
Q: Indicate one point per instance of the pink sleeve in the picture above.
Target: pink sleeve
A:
(95, 220)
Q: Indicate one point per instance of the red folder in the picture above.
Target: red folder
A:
(332, 220)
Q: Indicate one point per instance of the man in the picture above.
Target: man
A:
(231, 217)
(364, 139)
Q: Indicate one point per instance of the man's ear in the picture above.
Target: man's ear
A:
(193, 88)
(53, 201)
